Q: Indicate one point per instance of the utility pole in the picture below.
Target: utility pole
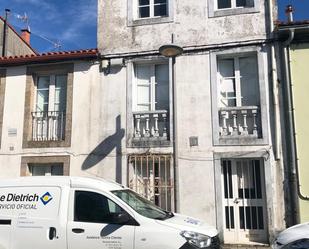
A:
(7, 11)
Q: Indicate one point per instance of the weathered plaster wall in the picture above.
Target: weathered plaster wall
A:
(191, 26)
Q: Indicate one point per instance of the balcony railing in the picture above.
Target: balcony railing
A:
(151, 125)
(48, 126)
(239, 121)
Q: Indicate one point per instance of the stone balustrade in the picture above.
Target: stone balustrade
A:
(239, 121)
(151, 124)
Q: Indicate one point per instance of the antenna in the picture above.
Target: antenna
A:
(25, 19)
(56, 44)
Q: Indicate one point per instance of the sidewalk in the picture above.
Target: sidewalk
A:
(234, 246)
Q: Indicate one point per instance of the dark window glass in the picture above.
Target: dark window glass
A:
(225, 180)
(160, 10)
(95, 208)
(241, 218)
(258, 179)
(223, 4)
(144, 12)
(230, 179)
(260, 217)
(160, 1)
(229, 217)
(248, 217)
(254, 218)
(241, 3)
(227, 174)
(143, 2)
(232, 217)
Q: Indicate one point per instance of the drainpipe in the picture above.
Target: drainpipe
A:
(7, 11)
(274, 87)
(291, 145)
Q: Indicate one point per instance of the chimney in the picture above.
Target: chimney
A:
(25, 34)
(289, 13)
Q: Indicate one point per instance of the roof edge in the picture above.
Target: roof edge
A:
(49, 57)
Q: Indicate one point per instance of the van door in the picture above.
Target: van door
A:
(38, 221)
(97, 222)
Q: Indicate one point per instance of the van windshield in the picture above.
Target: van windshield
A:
(141, 205)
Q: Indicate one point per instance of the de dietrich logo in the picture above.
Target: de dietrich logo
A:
(46, 198)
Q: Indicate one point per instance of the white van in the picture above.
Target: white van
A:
(84, 213)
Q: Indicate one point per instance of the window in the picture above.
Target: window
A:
(152, 8)
(45, 165)
(232, 7)
(238, 81)
(48, 117)
(150, 102)
(51, 93)
(238, 96)
(151, 176)
(151, 88)
(48, 106)
(46, 169)
(95, 208)
(226, 4)
(141, 205)
(144, 12)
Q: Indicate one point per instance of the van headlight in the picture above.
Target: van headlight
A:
(197, 239)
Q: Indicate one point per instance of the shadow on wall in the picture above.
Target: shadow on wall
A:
(105, 148)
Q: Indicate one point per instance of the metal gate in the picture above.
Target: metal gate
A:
(152, 177)
(244, 204)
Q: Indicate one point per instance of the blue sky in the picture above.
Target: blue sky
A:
(301, 9)
(73, 22)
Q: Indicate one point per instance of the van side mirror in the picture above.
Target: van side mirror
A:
(121, 218)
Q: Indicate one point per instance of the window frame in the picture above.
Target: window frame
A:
(48, 168)
(133, 18)
(52, 88)
(233, 5)
(261, 57)
(152, 85)
(214, 11)
(135, 162)
(151, 7)
(30, 101)
(26, 161)
(237, 78)
(130, 120)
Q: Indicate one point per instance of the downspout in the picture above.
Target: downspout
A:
(275, 92)
(4, 32)
(291, 146)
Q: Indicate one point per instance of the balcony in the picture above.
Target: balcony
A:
(48, 126)
(238, 122)
(151, 128)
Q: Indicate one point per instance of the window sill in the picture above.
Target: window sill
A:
(149, 21)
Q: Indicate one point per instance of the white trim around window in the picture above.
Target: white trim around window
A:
(145, 12)
(232, 7)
